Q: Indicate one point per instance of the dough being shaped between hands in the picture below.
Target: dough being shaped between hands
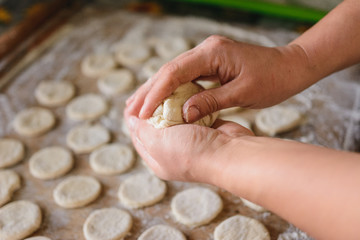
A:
(162, 232)
(141, 190)
(170, 47)
(38, 238)
(107, 224)
(11, 152)
(169, 112)
(86, 107)
(54, 93)
(116, 82)
(196, 206)
(33, 121)
(19, 219)
(112, 159)
(97, 65)
(277, 119)
(86, 138)
(9, 183)
(241, 227)
(50, 163)
(132, 54)
(76, 191)
(253, 206)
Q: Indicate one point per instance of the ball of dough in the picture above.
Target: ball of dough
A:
(152, 66)
(196, 206)
(162, 232)
(141, 190)
(86, 107)
(107, 224)
(116, 82)
(19, 219)
(53, 94)
(76, 191)
(169, 112)
(97, 65)
(33, 121)
(50, 163)
(86, 138)
(112, 159)
(241, 227)
(132, 54)
(9, 183)
(171, 47)
(11, 152)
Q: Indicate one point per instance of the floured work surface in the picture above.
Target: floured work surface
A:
(330, 107)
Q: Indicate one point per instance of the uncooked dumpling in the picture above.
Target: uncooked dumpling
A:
(97, 65)
(116, 82)
(162, 232)
(9, 183)
(11, 152)
(54, 93)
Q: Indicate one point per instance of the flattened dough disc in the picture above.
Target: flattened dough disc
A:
(162, 232)
(54, 93)
(97, 65)
(86, 107)
(9, 183)
(116, 82)
(11, 152)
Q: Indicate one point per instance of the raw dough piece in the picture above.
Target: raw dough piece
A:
(9, 183)
(11, 152)
(112, 159)
(53, 94)
(38, 238)
(97, 65)
(241, 227)
(76, 191)
(196, 206)
(230, 111)
(152, 66)
(162, 232)
(237, 119)
(107, 224)
(50, 163)
(141, 190)
(169, 112)
(131, 54)
(33, 121)
(170, 47)
(252, 205)
(86, 138)
(116, 82)
(277, 119)
(19, 219)
(86, 107)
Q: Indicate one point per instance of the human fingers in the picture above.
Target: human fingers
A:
(231, 129)
(135, 101)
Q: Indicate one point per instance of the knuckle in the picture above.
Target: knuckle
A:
(217, 40)
(210, 104)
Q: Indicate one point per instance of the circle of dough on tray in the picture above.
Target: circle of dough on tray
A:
(86, 107)
(171, 47)
(151, 66)
(19, 219)
(141, 190)
(169, 112)
(112, 159)
(38, 238)
(54, 93)
(9, 183)
(76, 191)
(253, 206)
(51, 162)
(237, 119)
(241, 227)
(107, 224)
(33, 121)
(116, 82)
(86, 138)
(277, 119)
(162, 232)
(11, 152)
(97, 65)
(196, 206)
(132, 54)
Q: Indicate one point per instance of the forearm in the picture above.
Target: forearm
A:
(315, 188)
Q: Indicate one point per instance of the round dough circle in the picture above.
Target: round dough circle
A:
(11, 152)
(152, 66)
(241, 227)
(86, 107)
(141, 190)
(76, 191)
(97, 65)
(169, 112)
(52, 93)
(112, 159)
(107, 224)
(131, 54)
(19, 219)
(171, 47)
(162, 232)
(86, 138)
(34, 121)
(38, 238)
(196, 206)
(116, 82)
(51, 162)
(9, 183)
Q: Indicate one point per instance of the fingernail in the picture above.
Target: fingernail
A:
(192, 113)
(133, 121)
